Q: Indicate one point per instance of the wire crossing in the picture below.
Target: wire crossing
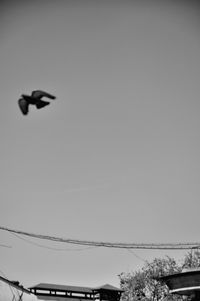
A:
(119, 245)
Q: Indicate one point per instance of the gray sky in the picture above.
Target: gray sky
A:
(116, 156)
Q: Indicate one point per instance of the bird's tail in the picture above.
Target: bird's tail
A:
(42, 104)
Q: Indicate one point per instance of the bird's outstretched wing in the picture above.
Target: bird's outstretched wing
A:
(39, 94)
(41, 104)
(23, 105)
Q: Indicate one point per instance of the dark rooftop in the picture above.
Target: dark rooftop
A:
(185, 282)
(185, 272)
(76, 289)
(69, 288)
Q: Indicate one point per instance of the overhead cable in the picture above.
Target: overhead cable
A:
(52, 248)
(155, 246)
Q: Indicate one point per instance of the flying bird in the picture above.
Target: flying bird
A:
(34, 99)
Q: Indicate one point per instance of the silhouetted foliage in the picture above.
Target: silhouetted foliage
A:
(142, 285)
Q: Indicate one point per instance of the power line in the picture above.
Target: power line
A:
(155, 246)
(137, 256)
(51, 248)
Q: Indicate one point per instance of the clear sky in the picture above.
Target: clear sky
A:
(116, 157)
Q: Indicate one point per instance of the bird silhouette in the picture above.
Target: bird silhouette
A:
(34, 99)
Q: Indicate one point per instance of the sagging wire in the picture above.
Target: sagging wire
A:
(51, 248)
(147, 246)
(137, 256)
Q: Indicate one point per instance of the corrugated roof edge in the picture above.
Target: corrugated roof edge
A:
(108, 287)
(61, 287)
(72, 288)
(183, 273)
